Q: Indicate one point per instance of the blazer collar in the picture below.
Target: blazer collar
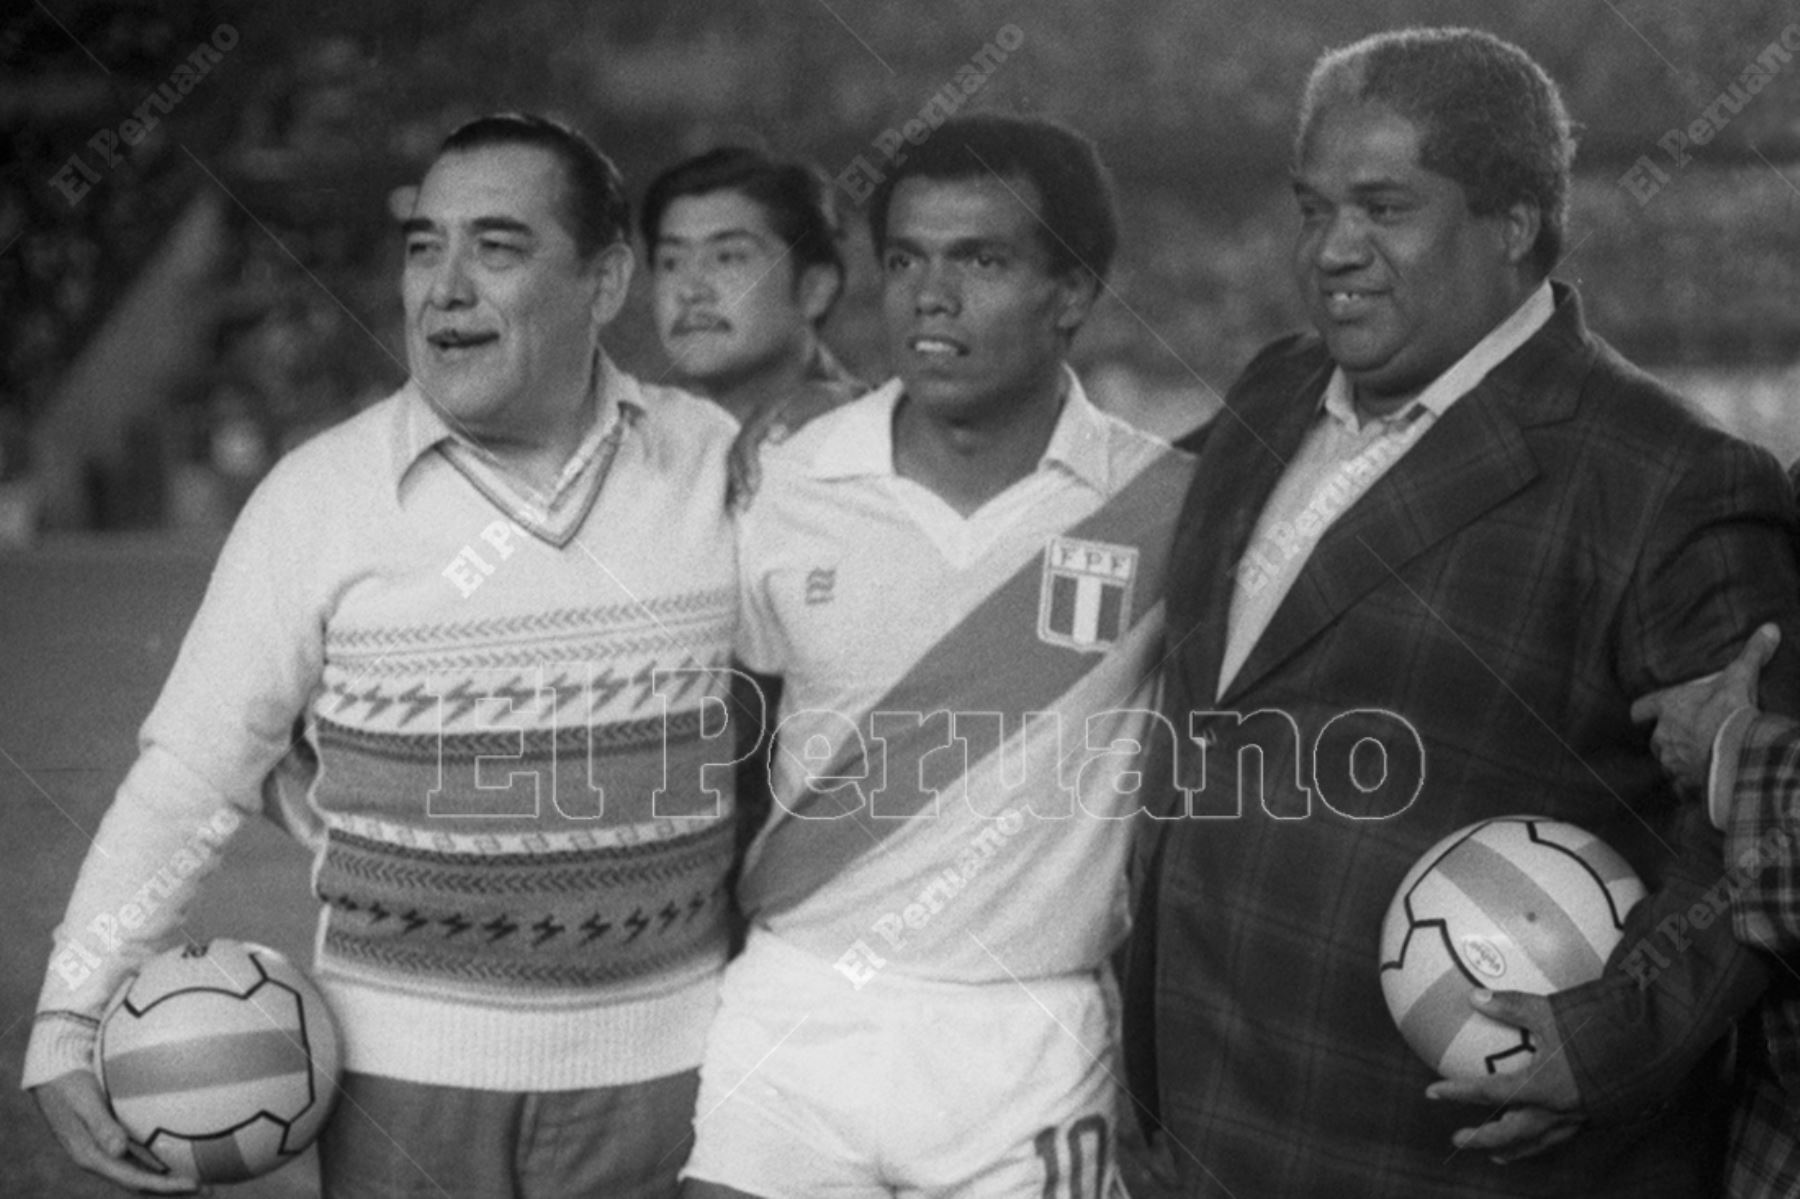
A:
(1468, 462)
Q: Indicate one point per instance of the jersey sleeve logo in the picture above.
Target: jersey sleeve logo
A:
(821, 585)
(1084, 600)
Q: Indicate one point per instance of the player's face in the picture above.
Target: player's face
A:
(727, 297)
(976, 319)
(502, 316)
(1400, 278)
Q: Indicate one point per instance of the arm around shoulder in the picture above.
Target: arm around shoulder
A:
(1718, 562)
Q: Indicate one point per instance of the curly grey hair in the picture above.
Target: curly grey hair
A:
(1488, 116)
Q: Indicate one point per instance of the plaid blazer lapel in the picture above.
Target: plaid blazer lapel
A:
(1243, 460)
(1472, 460)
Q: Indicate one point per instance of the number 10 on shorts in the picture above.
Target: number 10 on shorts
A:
(1078, 1160)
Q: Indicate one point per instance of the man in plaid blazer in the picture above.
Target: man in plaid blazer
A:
(1429, 557)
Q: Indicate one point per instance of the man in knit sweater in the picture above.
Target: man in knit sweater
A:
(500, 598)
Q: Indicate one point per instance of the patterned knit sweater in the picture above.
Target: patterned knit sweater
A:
(526, 817)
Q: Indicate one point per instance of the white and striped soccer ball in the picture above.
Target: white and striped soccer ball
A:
(221, 1059)
(1516, 903)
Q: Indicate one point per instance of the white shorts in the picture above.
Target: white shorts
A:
(813, 1086)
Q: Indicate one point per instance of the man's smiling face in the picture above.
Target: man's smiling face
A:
(501, 319)
(1400, 277)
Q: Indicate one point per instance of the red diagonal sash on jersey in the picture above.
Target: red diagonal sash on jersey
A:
(993, 661)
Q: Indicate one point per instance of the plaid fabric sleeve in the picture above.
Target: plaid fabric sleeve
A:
(1762, 862)
(1762, 854)
(1763, 1160)
(1719, 561)
(1671, 990)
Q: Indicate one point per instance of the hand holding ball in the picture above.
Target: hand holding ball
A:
(1518, 903)
(221, 1059)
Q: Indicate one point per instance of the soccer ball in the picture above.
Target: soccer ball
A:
(220, 1059)
(1517, 903)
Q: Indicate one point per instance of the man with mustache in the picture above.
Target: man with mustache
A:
(1432, 553)
(745, 267)
(501, 598)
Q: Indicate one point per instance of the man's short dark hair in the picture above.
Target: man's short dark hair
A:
(1488, 116)
(597, 210)
(796, 198)
(1080, 224)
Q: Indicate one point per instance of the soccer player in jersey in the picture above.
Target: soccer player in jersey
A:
(745, 267)
(954, 576)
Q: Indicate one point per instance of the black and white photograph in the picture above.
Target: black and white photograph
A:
(1309, 489)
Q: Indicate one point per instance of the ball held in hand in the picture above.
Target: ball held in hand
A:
(1517, 903)
(220, 1059)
